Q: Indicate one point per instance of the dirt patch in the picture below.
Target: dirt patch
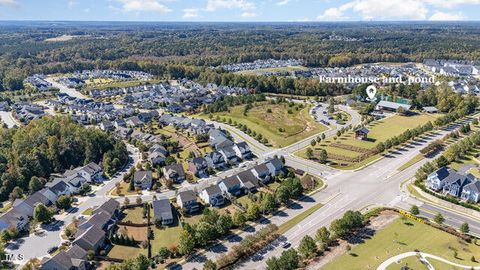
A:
(376, 223)
(138, 233)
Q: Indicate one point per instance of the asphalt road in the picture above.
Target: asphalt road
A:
(36, 246)
(63, 89)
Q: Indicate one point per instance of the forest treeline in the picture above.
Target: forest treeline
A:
(186, 50)
(31, 153)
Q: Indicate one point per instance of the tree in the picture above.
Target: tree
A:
(282, 195)
(323, 156)
(239, 219)
(64, 202)
(313, 142)
(464, 228)
(307, 247)
(309, 153)
(186, 242)
(274, 263)
(164, 253)
(131, 185)
(414, 210)
(323, 237)
(442, 161)
(289, 259)
(224, 224)
(439, 219)
(34, 185)
(209, 265)
(141, 262)
(42, 214)
(253, 212)
(268, 203)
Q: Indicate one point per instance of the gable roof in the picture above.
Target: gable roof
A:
(248, 177)
(187, 195)
(92, 236)
(162, 208)
(109, 207)
(140, 175)
(213, 190)
(231, 181)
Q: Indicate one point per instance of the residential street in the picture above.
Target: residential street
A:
(8, 119)
(63, 89)
(36, 246)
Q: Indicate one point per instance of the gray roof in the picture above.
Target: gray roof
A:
(393, 105)
(231, 181)
(138, 176)
(109, 207)
(187, 195)
(248, 177)
(162, 208)
(362, 130)
(92, 236)
(473, 187)
(213, 190)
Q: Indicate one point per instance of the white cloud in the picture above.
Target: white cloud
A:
(9, 3)
(213, 5)
(71, 4)
(379, 10)
(189, 13)
(283, 2)
(332, 14)
(443, 16)
(247, 14)
(144, 5)
(451, 3)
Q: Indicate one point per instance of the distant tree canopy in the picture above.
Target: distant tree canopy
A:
(50, 145)
(165, 51)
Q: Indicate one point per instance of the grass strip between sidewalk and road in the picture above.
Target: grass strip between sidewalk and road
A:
(412, 161)
(297, 219)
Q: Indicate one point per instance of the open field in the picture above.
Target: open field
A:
(267, 70)
(404, 236)
(280, 124)
(380, 131)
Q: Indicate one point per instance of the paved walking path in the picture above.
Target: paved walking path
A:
(424, 257)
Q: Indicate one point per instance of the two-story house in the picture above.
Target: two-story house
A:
(188, 201)
(212, 195)
(143, 179)
(174, 172)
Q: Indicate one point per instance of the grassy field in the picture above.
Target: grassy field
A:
(265, 70)
(403, 236)
(279, 126)
(102, 84)
(413, 263)
(412, 161)
(134, 215)
(380, 131)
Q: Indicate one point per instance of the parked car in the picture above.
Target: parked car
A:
(52, 249)
(286, 244)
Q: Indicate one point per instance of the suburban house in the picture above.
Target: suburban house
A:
(212, 195)
(111, 207)
(174, 172)
(449, 182)
(229, 154)
(262, 172)
(454, 184)
(92, 172)
(471, 192)
(143, 179)
(215, 160)
(14, 219)
(162, 211)
(75, 258)
(119, 123)
(133, 122)
(218, 139)
(198, 166)
(157, 158)
(361, 133)
(231, 186)
(188, 201)
(91, 239)
(275, 166)
(243, 150)
(248, 181)
(106, 126)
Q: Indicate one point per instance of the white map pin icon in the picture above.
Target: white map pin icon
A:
(371, 91)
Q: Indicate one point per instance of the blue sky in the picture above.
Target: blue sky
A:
(239, 10)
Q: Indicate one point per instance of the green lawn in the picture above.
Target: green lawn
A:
(298, 218)
(404, 236)
(443, 266)
(88, 211)
(106, 84)
(165, 237)
(134, 215)
(412, 161)
(124, 252)
(413, 263)
(380, 131)
(296, 125)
